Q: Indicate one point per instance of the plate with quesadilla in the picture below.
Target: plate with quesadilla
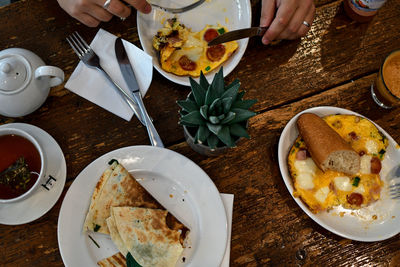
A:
(145, 205)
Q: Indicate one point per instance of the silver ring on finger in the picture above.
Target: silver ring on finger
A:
(307, 24)
(106, 4)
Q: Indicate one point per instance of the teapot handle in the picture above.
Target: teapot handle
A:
(56, 73)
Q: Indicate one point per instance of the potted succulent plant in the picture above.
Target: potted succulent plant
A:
(214, 116)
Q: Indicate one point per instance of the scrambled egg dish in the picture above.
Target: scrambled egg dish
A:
(324, 190)
(183, 52)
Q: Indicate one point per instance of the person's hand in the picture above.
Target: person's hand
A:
(287, 19)
(92, 12)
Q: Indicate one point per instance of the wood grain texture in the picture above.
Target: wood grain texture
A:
(333, 65)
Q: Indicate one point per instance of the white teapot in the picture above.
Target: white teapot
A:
(25, 81)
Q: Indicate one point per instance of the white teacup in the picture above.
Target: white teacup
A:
(31, 139)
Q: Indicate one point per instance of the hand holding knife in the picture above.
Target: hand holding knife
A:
(238, 34)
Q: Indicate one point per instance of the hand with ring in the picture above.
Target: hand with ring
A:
(92, 12)
(287, 19)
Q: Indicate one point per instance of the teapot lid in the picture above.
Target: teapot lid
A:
(15, 72)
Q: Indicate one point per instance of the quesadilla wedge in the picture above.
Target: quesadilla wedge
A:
(116, 260)
(117, 188)
(146, 236)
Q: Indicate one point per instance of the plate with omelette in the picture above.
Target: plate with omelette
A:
(335, 164)
(142, 206)
(178, 43)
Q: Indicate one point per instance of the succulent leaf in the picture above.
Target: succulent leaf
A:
(198, 92)
(244, 104)
(211, 95)
(229, 117)
(221, 117)
(227, 103)
(213, 119)
(240, 95)
(203, 81)
(212, 141)
(214, 128)
(218, 82)
(187, 105)
(241, 115)
(225, 136)
(188, 124)
(214, 105)
(193, 117)
(231, 92)
(203, 133)
(236, 81)
(204, 111)
(238, 130)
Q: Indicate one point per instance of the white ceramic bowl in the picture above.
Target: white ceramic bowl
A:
(12, 131)
(353, 224)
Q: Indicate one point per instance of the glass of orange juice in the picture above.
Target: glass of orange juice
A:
(386, 89)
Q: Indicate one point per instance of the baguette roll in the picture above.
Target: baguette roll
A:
(326, 147)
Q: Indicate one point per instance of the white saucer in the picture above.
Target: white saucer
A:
(41, 201)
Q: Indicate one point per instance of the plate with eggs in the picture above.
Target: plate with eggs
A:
(336, 165)
(178, 43)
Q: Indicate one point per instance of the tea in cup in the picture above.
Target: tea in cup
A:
(386, 92)
(22, 165)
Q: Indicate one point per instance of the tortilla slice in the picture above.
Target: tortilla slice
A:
(116, 260)
(147, 237)
(116, 187)
(115, 237)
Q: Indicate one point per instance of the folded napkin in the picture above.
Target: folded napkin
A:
(227, 199)
(91, 84)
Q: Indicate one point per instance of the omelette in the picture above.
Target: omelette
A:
(183, 52)
(321, 190)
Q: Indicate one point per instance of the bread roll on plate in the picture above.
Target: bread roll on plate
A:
(326, 147)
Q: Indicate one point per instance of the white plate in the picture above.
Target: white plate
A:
(360, 226)
(180, 185)
(41, 201)
(232, 14)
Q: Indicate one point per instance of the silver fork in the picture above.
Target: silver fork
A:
(90, 59)
(394, 182)
(179, 10)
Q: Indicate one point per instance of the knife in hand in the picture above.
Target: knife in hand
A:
(130, 79)
(238, 34)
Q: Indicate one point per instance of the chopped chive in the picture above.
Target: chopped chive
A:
(112, 161)
(207, 68)
(96, 228)
(356, 181)
(221, 30)
(94, 241)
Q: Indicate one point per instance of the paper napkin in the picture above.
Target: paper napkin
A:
(93, 85)
(227, 199)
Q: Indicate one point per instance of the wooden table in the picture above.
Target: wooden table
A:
(333, 65)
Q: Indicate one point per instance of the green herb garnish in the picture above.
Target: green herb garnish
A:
(297, 145)
(96, 228)
(221, 30)
(112, 161)
(381, 153)
(91, 238)
(130, 261)
(207, 68)
(356, 181)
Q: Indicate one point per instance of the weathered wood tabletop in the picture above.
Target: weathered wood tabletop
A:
(333, 65)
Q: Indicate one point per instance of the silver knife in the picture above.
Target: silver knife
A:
(238, 34)
(129, 76)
